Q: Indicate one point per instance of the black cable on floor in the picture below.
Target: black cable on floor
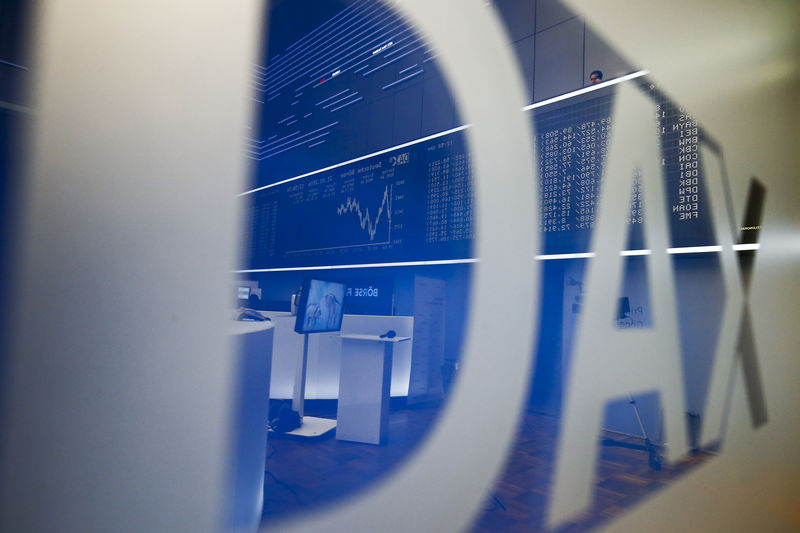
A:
(286, 486)
(497, 504)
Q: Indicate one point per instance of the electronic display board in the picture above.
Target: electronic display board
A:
(415, 203)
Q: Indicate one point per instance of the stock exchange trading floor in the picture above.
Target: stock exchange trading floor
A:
(311, 474)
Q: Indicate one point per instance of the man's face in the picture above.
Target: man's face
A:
(594, 78)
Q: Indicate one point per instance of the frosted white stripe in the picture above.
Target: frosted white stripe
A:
(367, 265)
(585, 255)
(337, 165)
(586, 90)
(694, 249)
(459, 128)
(679, 250)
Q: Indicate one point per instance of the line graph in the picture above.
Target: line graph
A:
(347, 223)
(353, 204)
(377, 209)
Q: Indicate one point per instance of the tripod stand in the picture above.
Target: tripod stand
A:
(653, 450)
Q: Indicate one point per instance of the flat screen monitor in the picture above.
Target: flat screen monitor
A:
(243, 293)
(320, 307)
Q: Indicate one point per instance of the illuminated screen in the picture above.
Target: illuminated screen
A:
(415, 203)
(360, 157)
(321, 307)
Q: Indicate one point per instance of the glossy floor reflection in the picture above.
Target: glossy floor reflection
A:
(624, 478)
(306, 474)
(302, 475)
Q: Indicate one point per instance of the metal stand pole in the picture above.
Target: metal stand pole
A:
(299, 392)
(654, 457)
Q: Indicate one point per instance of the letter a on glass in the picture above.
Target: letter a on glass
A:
(610, 363)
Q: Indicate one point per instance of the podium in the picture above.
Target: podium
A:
(252, 351)
(364, 386)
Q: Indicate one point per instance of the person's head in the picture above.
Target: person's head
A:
(254, 302)
(595, 77)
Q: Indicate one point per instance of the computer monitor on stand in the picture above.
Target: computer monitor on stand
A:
(320, 309)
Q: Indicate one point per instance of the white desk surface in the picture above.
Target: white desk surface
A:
(378, 338)
(325, 349)
(243, 327)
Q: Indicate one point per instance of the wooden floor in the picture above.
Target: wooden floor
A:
(311, 474)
